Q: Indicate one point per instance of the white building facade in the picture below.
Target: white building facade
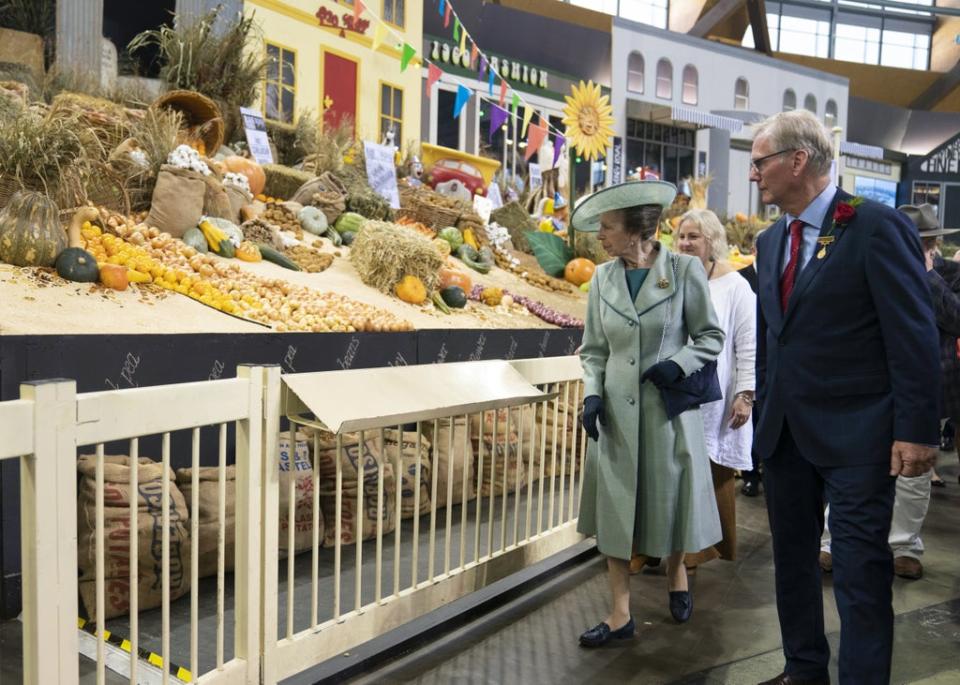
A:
(683, 107)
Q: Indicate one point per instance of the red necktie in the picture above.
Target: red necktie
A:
(789, 276)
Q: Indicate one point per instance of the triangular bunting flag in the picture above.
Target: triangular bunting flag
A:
(358, 8)
(497, 117)
(408, 53)
(463, 97)
(433, 75)
(558, 142)
(503, 93)
(463, 42)
(490, 76)
(527, 116)
(442, 8)
(456, 29)
(514, 103)
(483, 66)
(473, 55)
(446, 16)
(379, 33)
(534, 140)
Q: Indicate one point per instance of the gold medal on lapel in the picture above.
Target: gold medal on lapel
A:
(823, 241)
(663, 283)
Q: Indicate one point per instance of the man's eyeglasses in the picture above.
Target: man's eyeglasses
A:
(757, 164)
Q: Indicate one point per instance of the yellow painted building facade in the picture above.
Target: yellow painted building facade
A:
(325, 62)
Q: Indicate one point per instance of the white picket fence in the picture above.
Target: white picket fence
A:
(511, 417)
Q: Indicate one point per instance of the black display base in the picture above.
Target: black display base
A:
(106, 361)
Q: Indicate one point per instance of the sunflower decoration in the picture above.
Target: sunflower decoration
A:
(588, 118)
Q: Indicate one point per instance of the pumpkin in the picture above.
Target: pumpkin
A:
(30, 231)
(253, 171)
(443, 247)
(78, 265)
(248, 252)
(194, 238)
(579, 271)
(411, 289)
(449, 277)
(114, 276)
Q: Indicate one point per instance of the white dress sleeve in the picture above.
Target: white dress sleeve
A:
(744, 335)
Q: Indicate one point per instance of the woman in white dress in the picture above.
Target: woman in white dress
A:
(726, 423)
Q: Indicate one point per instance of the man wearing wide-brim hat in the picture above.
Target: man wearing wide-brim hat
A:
(913, 493)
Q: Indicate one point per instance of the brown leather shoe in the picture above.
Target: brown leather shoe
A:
(638, 561)
(786, 679)
(908, 567)
(826, 562)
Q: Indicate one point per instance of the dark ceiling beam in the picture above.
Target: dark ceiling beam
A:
(717, 14)
(757, 11)
(939, 89)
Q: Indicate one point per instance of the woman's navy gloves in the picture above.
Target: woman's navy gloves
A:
(662, 373)
(592, 411)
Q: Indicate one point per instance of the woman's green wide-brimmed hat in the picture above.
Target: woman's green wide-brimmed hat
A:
(586, 217)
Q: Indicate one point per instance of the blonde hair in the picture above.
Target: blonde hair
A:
(713, 232)
(799, 130)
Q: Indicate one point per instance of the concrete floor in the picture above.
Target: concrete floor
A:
(733, 637)
(734, 634)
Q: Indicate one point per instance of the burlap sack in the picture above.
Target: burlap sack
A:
(492, 459)
(116, 528)
(408, 464)
(239, 198)
(216, 202)
(178, 200)
(567, 447)
(301, 472)
(452, 464)
(325, 192)
(354, 461)
(208, 515)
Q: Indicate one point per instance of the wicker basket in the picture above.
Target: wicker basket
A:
(437, 217)
(201, 116)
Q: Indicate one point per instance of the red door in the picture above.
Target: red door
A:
(340, 90)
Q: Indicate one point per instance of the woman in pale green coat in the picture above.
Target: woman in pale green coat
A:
(650, 322)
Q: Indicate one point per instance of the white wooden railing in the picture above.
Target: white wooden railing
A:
(284, 613)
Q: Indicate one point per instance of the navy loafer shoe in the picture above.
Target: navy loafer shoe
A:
(681, 605)
(601, 634)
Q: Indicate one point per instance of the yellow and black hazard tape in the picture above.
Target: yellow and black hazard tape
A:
(178, 672)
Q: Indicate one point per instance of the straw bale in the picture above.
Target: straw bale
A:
(383, 253)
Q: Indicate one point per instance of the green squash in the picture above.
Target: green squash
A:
(30, 231)
(453, 236)
(349, 221)
(454, 296)
(194, 238)
(78, 265)
(347, 237)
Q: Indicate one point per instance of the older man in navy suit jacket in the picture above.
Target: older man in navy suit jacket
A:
(847, 382)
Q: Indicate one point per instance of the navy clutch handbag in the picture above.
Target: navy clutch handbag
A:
(691, 391)
(700, 387)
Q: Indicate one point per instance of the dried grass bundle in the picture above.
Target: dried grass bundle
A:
(156, 136)
(698, 190)
(52, 152)
(383, 253)
(228, 66)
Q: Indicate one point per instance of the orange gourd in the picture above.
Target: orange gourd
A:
(249, 252)
(253, 171)
(114, 276)
(578, 271)
(411, 289)
(449, 277)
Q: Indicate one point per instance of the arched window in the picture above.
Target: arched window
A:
(810, 103)
(664, 79)
(741, 94)
(789, 100)
(691, 81)
(635, 72)
(830, 114)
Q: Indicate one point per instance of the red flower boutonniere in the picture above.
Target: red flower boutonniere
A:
(843, 214)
